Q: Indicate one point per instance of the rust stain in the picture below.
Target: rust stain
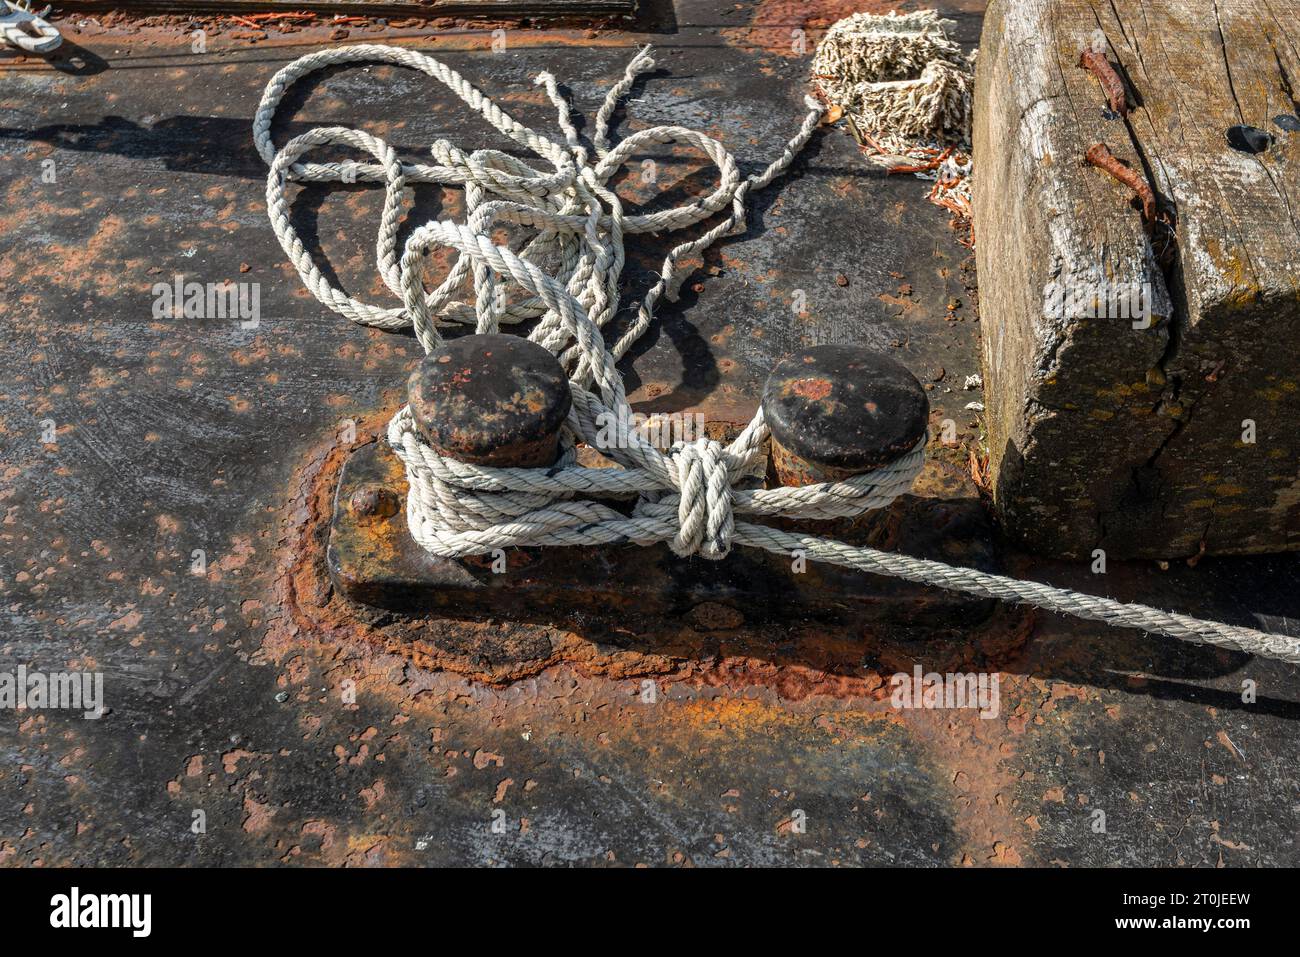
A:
(813, 389)
(792, 28)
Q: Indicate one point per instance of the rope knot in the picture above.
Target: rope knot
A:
(704, 511)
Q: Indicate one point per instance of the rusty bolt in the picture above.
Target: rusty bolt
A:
(837, 411)
(491, 400)
(1248, 139)
(374, 501)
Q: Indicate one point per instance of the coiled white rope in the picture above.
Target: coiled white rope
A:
(688, 496)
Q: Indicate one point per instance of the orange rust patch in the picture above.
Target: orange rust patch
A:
(812, 389)
(775, 24)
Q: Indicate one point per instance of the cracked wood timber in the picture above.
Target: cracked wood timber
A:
(1102, 435)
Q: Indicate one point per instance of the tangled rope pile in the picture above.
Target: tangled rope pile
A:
(689, 496)
(899, 76)
(906, 89)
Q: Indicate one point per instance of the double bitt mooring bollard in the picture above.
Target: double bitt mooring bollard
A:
(834, 411)
(491, 400)
(840, 411)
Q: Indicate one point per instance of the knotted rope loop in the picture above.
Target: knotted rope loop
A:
(704, 514)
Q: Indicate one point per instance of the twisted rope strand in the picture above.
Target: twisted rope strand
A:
(699, 496)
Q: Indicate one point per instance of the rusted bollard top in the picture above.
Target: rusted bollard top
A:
(491, 400)
(837, 411)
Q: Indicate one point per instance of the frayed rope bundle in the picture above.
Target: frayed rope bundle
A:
(688, 496)
(906, 89)
(898, 76)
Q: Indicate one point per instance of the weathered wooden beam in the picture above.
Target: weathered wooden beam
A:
(376, 8)
(1163, 439)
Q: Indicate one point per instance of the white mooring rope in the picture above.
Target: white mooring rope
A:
(689, 496)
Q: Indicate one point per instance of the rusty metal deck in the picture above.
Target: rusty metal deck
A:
(308, 733)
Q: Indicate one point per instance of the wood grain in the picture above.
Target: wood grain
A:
(1103, 435)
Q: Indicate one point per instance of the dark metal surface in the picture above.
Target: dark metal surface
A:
(836, 411)
(492, 400)
(309, 734)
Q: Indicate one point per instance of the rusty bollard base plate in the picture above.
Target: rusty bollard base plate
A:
(373, 560)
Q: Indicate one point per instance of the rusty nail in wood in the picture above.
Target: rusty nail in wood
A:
(1100, 156)
(837, 411)
(1095, 62)
(492, 400)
